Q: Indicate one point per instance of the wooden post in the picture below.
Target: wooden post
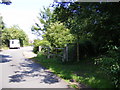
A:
(39, 48)
(66, 53)
(63, 59)
(48, 56)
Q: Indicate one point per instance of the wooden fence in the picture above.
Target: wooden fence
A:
(64, 56)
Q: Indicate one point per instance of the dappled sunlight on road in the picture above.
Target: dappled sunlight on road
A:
(21, 72)
(5, 58)
(29, 69)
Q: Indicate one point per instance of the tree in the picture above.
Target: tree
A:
(2, 25)
(42, 43)
(58, 35)
(100, 22)
(77, 19)
(45, 18)
(14, 33)
(7, 2)
(92, 20)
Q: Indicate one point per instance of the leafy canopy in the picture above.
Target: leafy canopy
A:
(58, 35)
(13, 33)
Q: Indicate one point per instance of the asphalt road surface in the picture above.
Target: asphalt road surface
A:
(20, 72)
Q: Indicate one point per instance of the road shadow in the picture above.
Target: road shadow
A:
(29, 69)
(50, 78)
(5, 58)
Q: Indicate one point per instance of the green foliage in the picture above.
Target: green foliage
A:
(14, 33)
(45, 18)
(74, 86)
(42, 43)
(2, 26)
(95, 27)
(36, 49)
(87, 49)
(36, 46)
(83, 72)
(93, 21)
(53, 31)
(58, 35)
(99, 22)
(110, 64)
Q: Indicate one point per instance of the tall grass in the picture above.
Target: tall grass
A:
(83, 72)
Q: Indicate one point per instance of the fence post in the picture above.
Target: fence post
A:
(40, 48)
(48, 56)
(66, 53)
(63, 59)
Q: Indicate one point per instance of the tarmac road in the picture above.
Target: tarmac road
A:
(20, 72)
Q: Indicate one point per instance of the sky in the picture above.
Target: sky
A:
(23, 13)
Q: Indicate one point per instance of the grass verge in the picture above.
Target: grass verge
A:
(4, 48)
(83, 72)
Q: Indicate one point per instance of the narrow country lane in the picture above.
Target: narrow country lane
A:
(20, 72)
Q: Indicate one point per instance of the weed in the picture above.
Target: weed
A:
(83, 72)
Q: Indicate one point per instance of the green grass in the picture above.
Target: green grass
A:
(83, 72)
(4, 47)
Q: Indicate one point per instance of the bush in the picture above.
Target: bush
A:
(37, 43)
(110, 64)
(36, 49)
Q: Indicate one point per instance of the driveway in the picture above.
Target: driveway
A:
(20, 72)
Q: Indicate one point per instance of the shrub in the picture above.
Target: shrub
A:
(36, 49)
(42, 43)
(110, 65)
